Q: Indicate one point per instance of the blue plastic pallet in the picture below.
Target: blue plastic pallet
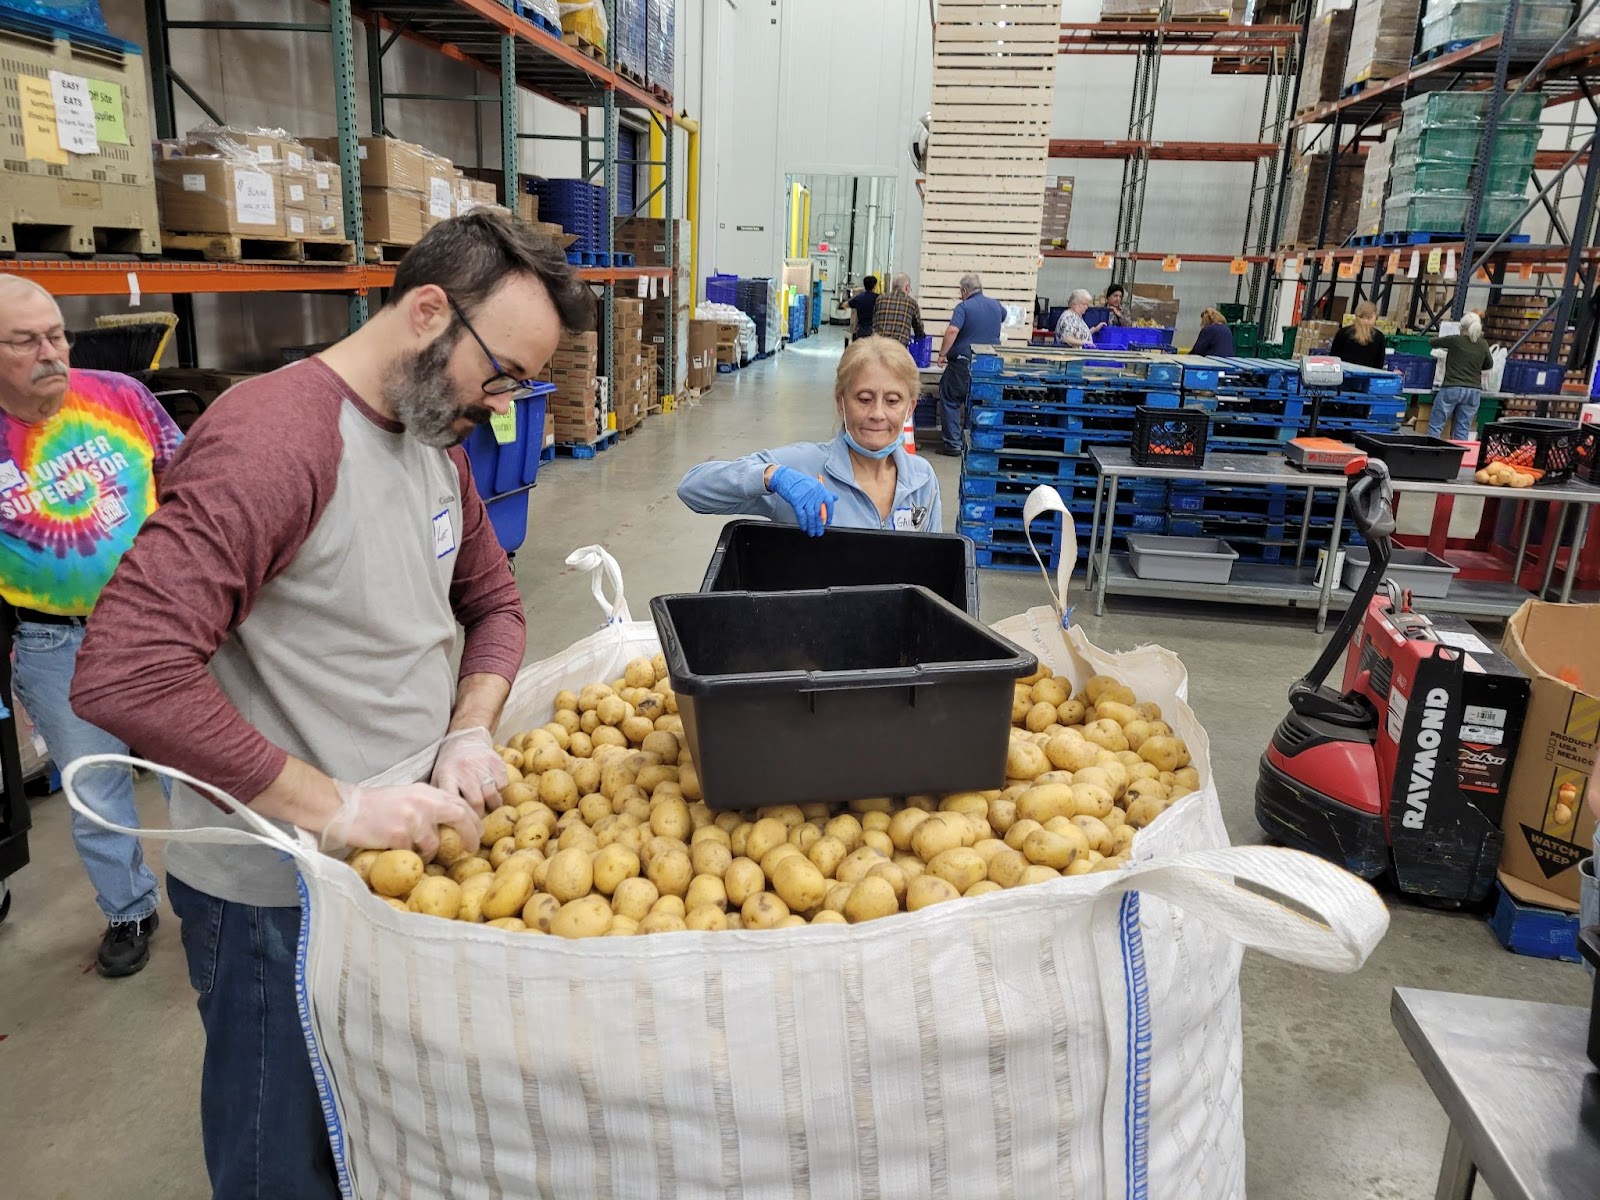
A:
(979, 480)
(548, 454)
(1536, 932)
(587, 449)
(1024, 464)
(1424, 237)
(1015, 560)
(1445, 48)
(1046, 365)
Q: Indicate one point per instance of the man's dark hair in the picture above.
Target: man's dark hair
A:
(1117, 288)
(470, 255)
(870, 283)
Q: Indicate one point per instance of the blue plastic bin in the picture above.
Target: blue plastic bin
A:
(1525, 377)
(722, 289)
(497, 469)
(922, 351)
(1130, 337)
(509, 516)
(1416, 370)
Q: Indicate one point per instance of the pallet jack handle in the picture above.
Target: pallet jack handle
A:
(1371, 505)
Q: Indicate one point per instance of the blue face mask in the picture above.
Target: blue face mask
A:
(864, 452)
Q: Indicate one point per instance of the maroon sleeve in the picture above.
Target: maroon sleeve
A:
(483, 591)
(244, 491)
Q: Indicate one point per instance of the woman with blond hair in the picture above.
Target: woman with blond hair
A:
(861, 478)
(1215, 336)
(1361, 342)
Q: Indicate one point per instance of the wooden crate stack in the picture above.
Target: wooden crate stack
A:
(993, 92)
(575, 404)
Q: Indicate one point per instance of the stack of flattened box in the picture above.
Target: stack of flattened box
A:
(628, 400)
(1057, 212)
(1327, 48)
(1381, 40)
(1308, 180)
(575, 404)
(1374, 188)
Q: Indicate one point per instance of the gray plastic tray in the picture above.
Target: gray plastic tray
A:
(1184, 559)
(1416, 570)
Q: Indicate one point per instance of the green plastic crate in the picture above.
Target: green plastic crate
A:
(1505, 179)
(1231, 312)
(1488, 410)
(1409, 343)
(1459, 143)
(1472, 20)
(1468, 108)
(1446, 212)
(1246, 337)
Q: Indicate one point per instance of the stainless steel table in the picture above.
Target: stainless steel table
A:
(1252, 583)
(1267, 583)
(1522, 1097)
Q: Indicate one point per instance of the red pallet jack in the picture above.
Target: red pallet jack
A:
(1369, 778)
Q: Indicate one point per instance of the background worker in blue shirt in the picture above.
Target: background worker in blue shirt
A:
(975, 322)
(862, 479)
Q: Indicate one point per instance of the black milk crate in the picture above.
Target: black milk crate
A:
(1589, 454)
(1546, 446)
(1170, 437)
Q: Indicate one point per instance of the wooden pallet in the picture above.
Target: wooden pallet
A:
(386, 252)
(584, 46)
(630, 75)
(1153, 16)
(232, 247)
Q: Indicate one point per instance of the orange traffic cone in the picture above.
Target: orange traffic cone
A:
(908, 435)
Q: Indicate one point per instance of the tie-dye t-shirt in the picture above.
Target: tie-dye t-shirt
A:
(74, 490)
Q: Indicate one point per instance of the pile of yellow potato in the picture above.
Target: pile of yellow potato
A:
(604, 832)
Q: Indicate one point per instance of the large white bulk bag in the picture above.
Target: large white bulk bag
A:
(1079, 1038)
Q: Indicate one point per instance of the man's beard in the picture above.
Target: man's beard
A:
(418, 390)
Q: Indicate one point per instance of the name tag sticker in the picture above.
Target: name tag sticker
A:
(903, 521)
(444, 535)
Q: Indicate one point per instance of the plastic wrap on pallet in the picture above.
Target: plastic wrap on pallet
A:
(1448, 22)
(632, 37)
(1381, 39)
(728, 314)
(1303, 204)
(661, 29)
(65, 18)
(1327, 46)
(585, 19)
(1374, 187)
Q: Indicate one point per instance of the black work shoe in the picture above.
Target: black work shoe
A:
(950, 452)
(125, 948)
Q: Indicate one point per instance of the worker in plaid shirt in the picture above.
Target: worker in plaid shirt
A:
(897, 315)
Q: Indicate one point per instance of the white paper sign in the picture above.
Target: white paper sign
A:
(441, 198)
(644, 287)
(296, 161)
(253, 201)
(75, 125)
(264, 154)
(297, 193)
(194, 183)
(297, 224)
(323, 179)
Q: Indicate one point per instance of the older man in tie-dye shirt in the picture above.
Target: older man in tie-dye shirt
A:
(80, 452)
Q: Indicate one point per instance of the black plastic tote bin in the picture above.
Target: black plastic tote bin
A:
(1414, 455)
(838, 694)
(761, 556)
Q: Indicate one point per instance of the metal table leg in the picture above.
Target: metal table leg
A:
(1522, 542)
(1554, 542)
(1329, 570)
(1094, 534)
(1572, 556)
(1105, 546)
(1305, 527)
(1456, 1174)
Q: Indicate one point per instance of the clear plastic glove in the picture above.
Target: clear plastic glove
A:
(399, 817)
(469, 766)
(813, 504)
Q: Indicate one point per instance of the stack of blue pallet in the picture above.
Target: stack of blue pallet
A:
(799, 318)
(579, 207)
(661, 30)
(1036, 414)
(753, 297)
(722, 289)
(816, 305)
(631, 36)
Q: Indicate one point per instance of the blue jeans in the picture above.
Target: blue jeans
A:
(955, 385)
(260, 1114)
(1458, 406)
(46, 658)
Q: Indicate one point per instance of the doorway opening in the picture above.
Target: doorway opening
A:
(845, 225)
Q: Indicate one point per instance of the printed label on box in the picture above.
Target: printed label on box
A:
(253, 201)
(323, 181)
(361, 151)
(297, 224)
(297, 193)
(264, 154)
(1476, 715)
(294, 159)
(441, 198)
(194, 183)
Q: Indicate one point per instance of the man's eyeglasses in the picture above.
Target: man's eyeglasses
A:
(502, 382)
(30, 345)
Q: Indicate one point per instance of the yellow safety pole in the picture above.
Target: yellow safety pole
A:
(692, 205)
(658, 153)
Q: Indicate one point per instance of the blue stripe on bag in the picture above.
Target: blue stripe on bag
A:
(1136, 1101)
(330, 1111)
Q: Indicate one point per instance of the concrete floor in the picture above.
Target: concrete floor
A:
(99, 1079)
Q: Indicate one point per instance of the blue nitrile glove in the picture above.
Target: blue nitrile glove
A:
(813, 504)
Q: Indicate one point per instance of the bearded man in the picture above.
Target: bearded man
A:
(284, 626)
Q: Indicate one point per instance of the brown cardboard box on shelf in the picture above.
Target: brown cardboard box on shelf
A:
(392, 216)
(439, 193)
(702, 354)
(1556, 755)
(1374, 186)
(1382, 35)
(643, 237)
(1327, 48)
(1311, 335)
(219, 195)
(1057, 212)
(385, 162)
(1303, 204)
(240, 145)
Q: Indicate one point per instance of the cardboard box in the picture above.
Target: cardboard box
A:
(1556, 754)
(392, 216)
(385, 162)
(1057, 213)
(1382, 35)
(702, 354)
(219, 195)
(241, 145)
(439, 193)
(1327, 47)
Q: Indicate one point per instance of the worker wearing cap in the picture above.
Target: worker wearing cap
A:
(285, 628)
(862, 478)
(80, 456)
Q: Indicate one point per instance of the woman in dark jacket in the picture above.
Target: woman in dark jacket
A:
(1361, 341)
(1215, 336)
